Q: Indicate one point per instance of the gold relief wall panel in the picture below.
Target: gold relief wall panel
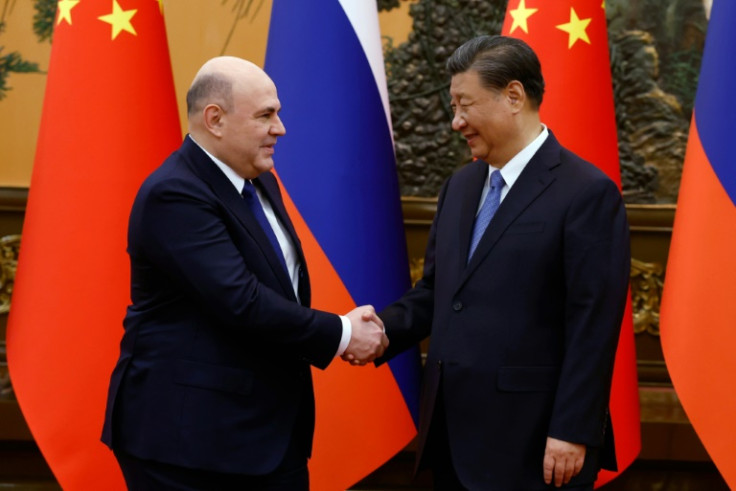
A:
(647, 281)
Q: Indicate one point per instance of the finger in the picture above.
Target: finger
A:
(384, 341)
(578, 466)
(559, 473)
(380, 350)
(569, 470)
(548, 466)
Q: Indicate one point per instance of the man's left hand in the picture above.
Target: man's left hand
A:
(562, 461)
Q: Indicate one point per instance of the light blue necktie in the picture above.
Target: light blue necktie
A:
(251, 199)
(490, 205)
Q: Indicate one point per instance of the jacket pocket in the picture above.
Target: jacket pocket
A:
(214, 377)
(527, 379)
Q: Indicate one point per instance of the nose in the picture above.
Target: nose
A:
(458, 122)
(278, 128)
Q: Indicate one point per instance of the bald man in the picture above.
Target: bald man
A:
(213, 388)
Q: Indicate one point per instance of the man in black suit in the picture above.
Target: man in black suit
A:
(524, 306)
(213, 387)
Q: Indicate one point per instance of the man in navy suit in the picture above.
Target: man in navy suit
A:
(524, 306)
(213, 387)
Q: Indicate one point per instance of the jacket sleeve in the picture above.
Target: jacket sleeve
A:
(409, 319)
(597, 266)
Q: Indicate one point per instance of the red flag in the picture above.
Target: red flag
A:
(570, 38)
(109, 118)
(698, 312)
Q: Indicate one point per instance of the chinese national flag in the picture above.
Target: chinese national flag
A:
(109, 118)
(570, 38)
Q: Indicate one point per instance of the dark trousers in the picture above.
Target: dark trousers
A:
(437, 450)
(147, 475)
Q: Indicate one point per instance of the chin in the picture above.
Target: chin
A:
(265, 166)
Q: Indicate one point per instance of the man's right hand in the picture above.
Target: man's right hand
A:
(368, 340)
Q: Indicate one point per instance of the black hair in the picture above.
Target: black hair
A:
(499, 60)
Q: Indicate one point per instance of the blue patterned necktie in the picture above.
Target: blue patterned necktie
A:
(251, 199)
(490, 205)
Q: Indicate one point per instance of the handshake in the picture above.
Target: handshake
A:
(368, 340)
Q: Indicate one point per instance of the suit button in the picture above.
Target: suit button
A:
(457, 306)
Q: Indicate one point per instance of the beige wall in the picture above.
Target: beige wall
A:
(197, 31)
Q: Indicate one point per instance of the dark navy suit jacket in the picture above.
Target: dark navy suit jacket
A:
(214, 368)
(523, 337)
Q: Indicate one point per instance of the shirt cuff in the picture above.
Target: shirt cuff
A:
(347, 333)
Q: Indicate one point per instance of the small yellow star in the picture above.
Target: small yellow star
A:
(575, 28)
(520, 15)
(160, 5)
(119, 19)
(65, 10)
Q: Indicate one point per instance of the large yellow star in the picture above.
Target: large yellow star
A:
(520, 16)
(575, 28)
(65, 10)
(119, 19)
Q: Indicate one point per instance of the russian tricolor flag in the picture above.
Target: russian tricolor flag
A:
(338, 173)
(698, 311)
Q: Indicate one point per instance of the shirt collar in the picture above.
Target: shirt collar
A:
(512, 170)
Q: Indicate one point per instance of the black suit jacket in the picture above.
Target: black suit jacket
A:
(214, 368)
(523, 337)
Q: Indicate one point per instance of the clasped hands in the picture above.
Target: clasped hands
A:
(368, 340)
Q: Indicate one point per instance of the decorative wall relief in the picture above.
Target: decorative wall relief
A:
(647, 280)
(9, 247)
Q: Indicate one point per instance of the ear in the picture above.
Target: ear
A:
(213, 119)
(516, 95)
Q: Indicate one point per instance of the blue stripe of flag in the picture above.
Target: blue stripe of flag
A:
(715, 105)
(337, 161)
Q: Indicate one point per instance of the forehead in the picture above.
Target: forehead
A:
(257, 94)
(466, 84)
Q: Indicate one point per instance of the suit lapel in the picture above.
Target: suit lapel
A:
(532, 181)
(205, 169)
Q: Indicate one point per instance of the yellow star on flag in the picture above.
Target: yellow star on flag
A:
(65, 10)
(119, 19)
(575, 28)
(160, 5)
(520, 15)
